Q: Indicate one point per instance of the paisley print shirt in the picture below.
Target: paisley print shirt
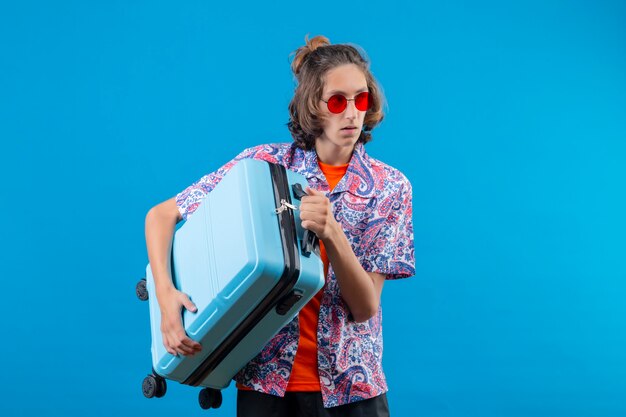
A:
(373, 204)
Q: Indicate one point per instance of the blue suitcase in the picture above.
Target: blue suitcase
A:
(247, 264)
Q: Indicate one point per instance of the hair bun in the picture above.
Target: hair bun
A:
(304, 51)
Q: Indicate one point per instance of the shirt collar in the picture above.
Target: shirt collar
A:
(358, 180)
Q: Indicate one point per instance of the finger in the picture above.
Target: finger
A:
(312, 226)
(314, 216)
(182, 348)
(314, 210)
(177, 338)
(174, 329)
(189, 305)
(172, 349)
(166, 339)
(313, 191)
(167, 345)
(320, 208)
(188, 345)
(191, 344)
(182, 336)
(314, 221)
(313, 201)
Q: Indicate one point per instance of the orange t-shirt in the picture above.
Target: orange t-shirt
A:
(304, 374)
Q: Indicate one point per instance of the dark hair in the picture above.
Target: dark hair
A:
(310, 65)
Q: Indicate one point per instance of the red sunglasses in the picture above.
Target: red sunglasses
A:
(339, 102)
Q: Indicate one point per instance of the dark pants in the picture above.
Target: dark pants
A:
(305, 404)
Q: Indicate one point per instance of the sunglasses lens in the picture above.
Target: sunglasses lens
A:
(362, 101)
(337, 103)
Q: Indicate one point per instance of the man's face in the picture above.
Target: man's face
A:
(347, 80)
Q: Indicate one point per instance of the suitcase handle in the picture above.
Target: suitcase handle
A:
(310, 241)
(298, 192)
(287, 302)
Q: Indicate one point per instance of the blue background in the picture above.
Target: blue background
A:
(509, 120)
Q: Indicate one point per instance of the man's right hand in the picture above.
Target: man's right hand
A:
(175, 340)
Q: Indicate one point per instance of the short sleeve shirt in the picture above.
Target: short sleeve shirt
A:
(373, 204)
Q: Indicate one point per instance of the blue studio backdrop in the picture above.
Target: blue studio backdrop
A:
(509, 119)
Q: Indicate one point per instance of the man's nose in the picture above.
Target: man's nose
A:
(351, 110)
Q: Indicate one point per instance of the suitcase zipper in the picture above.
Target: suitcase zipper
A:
(281, 296)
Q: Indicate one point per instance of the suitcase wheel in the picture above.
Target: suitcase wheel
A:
(154, 386)
(210, 398)
(141, 290)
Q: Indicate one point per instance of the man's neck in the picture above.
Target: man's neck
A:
(332, 154)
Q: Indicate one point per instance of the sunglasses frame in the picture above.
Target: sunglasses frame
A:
(369, 103)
